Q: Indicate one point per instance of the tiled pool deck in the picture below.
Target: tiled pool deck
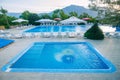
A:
(109, 48)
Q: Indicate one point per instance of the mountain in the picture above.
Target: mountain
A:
(14, 14)
(72, 8)
(79, 10)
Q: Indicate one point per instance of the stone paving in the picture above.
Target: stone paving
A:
(109, 48)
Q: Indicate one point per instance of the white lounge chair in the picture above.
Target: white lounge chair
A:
(71, 35)
(3, 32)
(56, 34)
(116, 35)
(63, 34)
(46, 35)
(29, 35)
(108, 35)
(18, 36)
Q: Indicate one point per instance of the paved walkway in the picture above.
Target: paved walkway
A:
(109, 48)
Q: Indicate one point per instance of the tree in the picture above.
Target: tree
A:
(63, 15)
(84, 15)
(4, 12)
(56, 14)
(73, 14)
(45, 16)
(57, 11)
(32, 18)
(25, 15)
(108, 10)
(10, 19)
(94, 33)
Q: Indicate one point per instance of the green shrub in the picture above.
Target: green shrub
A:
(94, 33)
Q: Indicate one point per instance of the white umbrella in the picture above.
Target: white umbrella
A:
(73, 20)
(45, 20)
(20, 20)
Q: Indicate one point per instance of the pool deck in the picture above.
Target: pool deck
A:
(109, 48)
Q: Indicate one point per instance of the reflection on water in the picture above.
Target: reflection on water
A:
(82, 55)
(67, 56)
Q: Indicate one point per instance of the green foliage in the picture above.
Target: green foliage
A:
(4, 12)
(109, 14)
(84, 15)
(63, 15)
(94, 33)
(32, 18)
(55, 15)
(10, 19)
(57, 11)
(45, 16)
(25, 15)
(73, 14)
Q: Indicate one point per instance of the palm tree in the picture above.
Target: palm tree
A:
(3, 11)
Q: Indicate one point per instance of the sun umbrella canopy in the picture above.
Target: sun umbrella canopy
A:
(20, 20)
(86, 19)
(45, 20)
(73, 20)
(57, 19)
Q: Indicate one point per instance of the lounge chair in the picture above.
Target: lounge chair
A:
(71, 35)
(46, 35)
(63, 34)
(3, 32)
(18, 36)
(57, 34)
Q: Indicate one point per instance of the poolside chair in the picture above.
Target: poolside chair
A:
(8, 36)
(3, 32)
(46, 35)
(71, 35)
(36, 34)
(2, 35)
(57, 34)
(28, 35)
(108, 35)
(18, 36)
(78, 35)
(63, 34)
(116, 35)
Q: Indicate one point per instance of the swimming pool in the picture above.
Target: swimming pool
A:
(59, 57)
(5, 42)
(63, 28)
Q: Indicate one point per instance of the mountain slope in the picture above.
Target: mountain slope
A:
(14, 14)
(72, 8)
(79, 10)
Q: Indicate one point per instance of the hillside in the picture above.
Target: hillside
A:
(72, 8)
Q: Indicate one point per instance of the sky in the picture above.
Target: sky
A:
(39, 6)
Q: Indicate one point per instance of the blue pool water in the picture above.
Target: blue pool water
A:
(5, 42)
(59, 57)
(64, 28)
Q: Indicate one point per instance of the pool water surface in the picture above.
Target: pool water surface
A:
(59, 57)
(62, 28)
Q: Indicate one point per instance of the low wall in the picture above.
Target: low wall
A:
(2, 27)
